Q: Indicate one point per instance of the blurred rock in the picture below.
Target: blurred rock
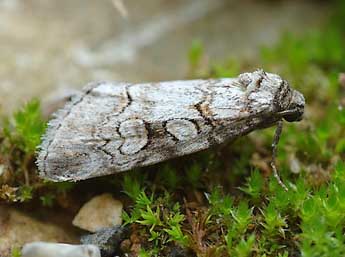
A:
(5, 174)
(121, 8)
(2, 169)
(260, 162)
(177, 251)
(43, 249)
(108, 240)
(19, 227)
(341, 79)
(317, 174)
(295, 165)
(102, 211)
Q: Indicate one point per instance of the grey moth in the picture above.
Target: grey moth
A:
(114, 127)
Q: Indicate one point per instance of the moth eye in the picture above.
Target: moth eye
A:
(297, 116)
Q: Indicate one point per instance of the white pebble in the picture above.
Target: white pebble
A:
(43, 249)
(102, 211)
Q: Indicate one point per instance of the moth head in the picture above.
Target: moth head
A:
(288, 102)
(267, 89)
(296, 107)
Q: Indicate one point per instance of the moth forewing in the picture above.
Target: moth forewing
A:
(114, 127)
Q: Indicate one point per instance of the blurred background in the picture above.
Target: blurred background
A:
(50, 46)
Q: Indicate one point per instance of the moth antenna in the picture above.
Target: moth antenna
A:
(274, 154)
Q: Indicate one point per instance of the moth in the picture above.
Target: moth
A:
(114, 127)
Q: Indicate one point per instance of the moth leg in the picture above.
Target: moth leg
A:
(274, 154)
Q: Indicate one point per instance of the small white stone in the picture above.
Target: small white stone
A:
(102, 211)
(295, 165)
(2, 169)
(43, 249)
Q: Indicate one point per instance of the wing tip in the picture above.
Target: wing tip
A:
(49, 136)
